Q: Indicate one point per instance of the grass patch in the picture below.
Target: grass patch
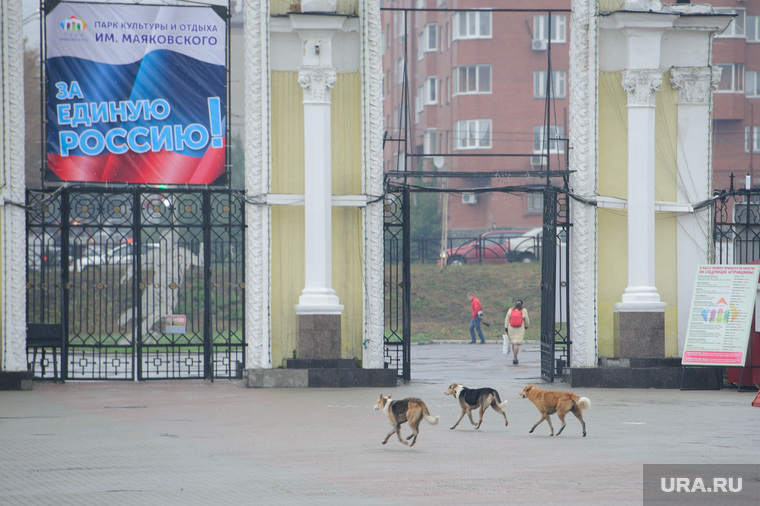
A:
(440, 309)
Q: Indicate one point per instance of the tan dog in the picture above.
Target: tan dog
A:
(474, 398)
(549, 402)
(411, 410)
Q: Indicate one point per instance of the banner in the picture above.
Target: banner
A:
(135, 93)
(721, 315)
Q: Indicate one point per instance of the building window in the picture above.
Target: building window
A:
(472, 134)
(556, 139)
(399, 160)
(420, 101)
(471, 25)
(536, 203)
(420, 46)
(753, 28)
(398, 70)
(431, 91)
(736, 27)
(559, 28)
(559, 84)
(752, 83)
(732, 78)
(755, 139)
(431, 37)
(429, 142)
(472, 79)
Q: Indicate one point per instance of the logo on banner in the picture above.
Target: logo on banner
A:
(73, 24)
(720, 312)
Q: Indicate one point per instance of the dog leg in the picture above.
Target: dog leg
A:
(389, 435)
(469, 413)
(579, 415)
(561, 415)
(415, 425)
(482, 411)
(397, 430)
(536, 424)
(548, 420)
(461, 415)
(496, 407)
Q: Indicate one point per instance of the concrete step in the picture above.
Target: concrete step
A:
(685, 378)
(321, 378)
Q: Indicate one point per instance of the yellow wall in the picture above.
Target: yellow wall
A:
(344, 7)
(611, 5)
(287, 177)
(612, 223)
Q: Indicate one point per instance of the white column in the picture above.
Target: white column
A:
(694, 85)
(317, 77)
(12, 213)
(641, 293)
(257, 163)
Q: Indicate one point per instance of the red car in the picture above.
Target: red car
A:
(490, 248)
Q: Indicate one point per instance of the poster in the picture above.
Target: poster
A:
(721, 315)
(135, 93)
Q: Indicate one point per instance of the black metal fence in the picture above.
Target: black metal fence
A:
(139, 283)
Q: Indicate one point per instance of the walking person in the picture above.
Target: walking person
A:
(515, 324)
(477, 315)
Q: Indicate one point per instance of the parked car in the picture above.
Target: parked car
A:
(490, 247)
(527, 247)
(120, 255)
(45, 258)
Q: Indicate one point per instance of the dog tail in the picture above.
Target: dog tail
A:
(498, 399)
(432, 420)
(584, 403)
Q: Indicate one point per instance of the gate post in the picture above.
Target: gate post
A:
(548, 281)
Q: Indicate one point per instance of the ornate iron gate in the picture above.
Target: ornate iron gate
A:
(736, 232)
(398, 328)
(555, 290)
(142, 283)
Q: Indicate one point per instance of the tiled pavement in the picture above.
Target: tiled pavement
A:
(195, 442)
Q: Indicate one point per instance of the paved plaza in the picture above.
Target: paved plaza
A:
(195, 442)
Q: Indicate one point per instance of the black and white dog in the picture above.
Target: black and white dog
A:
(473, 398)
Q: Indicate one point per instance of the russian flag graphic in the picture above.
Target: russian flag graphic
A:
(136, 94)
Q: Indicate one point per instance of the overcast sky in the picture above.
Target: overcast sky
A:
(32, 22)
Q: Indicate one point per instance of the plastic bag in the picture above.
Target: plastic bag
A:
(505, 347)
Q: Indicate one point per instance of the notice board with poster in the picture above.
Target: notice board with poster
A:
(721, 315)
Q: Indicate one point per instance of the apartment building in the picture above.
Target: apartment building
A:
(736, 112)
(473, 77)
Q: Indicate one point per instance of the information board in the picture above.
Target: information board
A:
(721, 315)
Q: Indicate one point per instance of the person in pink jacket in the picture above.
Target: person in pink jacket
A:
(515, 323)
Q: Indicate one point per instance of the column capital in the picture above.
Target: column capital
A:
(316, 83)
(694, 84)
(642, 86)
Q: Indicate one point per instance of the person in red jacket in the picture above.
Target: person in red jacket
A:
(477, 315)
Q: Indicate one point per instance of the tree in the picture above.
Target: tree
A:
(32, 118)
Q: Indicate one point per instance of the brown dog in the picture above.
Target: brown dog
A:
(411, 410)
(549, 402)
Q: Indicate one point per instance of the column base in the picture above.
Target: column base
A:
(319, 336)
(639, 333)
